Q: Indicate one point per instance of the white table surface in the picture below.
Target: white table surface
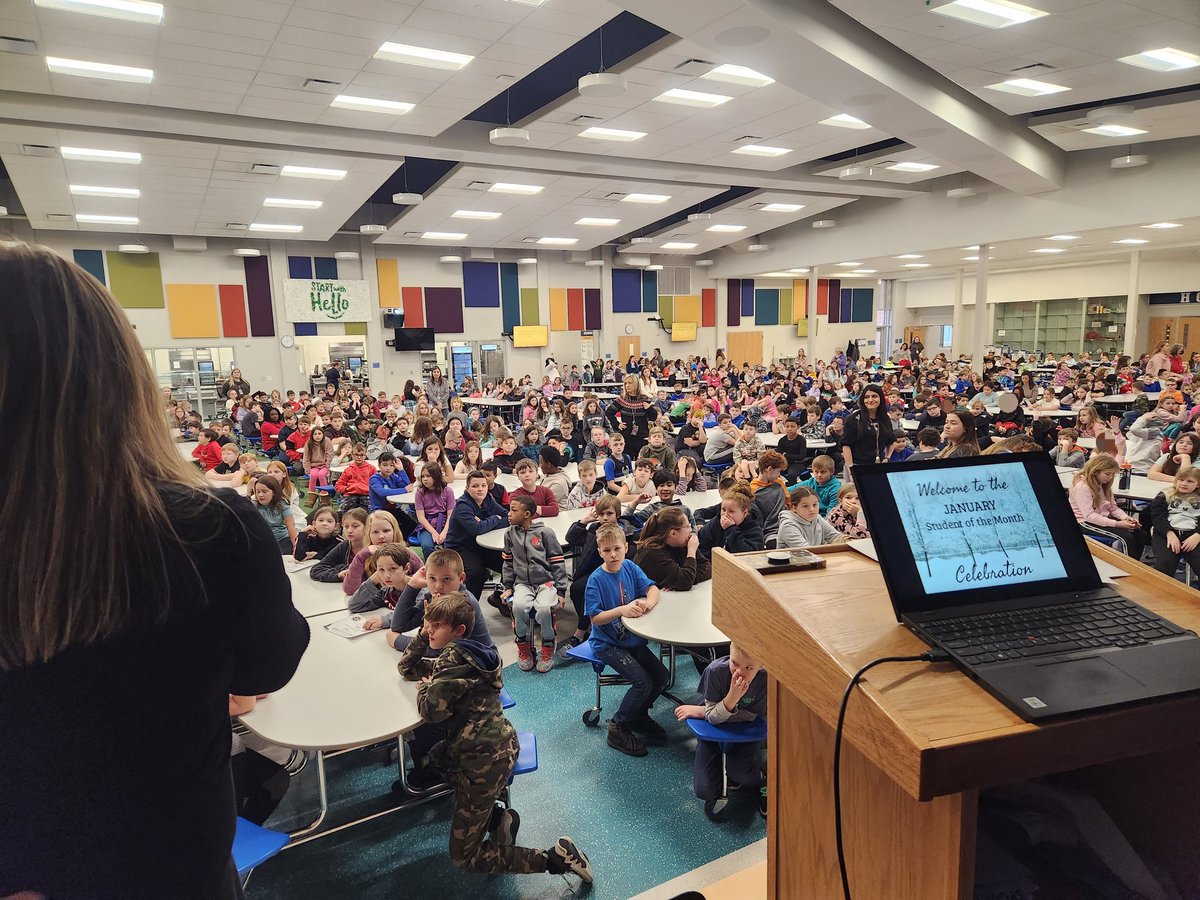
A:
(683, 618)
(1140, 487)
(459, 487)
(1053, 413)
(186, 448)
(490, 401)
(772, 440)
(345, 693)
(313, 598)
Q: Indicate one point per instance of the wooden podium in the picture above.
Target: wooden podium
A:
(921, 740)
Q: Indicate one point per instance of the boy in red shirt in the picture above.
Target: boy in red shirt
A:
(527, 473)
(208, 452)
(355, 483)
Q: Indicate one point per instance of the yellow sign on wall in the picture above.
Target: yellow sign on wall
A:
(531, 335)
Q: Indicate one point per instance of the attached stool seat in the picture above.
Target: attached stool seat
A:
(585, 653)
(254, 845)
(506, 700)
(725, 736)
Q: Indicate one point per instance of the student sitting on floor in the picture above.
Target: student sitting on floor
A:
(442, 574)
(581, 536)
(617, 590)
(385, 579)
(734, 689)
(803, 525)
(354, 484)
(334, 565)
(669, 551)
(535, 581)
(822, 482)
(738, 526)
(461, 688)
(1175, 514)
(544, 501)
(588, 490)
(320, 537)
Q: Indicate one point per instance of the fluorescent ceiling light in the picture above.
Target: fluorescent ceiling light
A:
(1164, 225)
(1027, 87)
(264, 226)
(990, 13)
(732, 74)
(1165, 59)
(558, 241)
(443, 236)
(313, 172)
(129, 10)
(107, 220)
(864, 271)
(474, 214)
(108, 72)
(645, 198)
(527, 3)
(1114, 130)
(611, 134)
(285, 203)
(850, 265)
(798, 271)
(1049, 250)
(1132, 241)
(371, 104)
(760, 150)
(501, 187)
(87, 190)
(775, 275)
(970, 259)
(913, 167)
(976, 246)
(1054, 237)
(912, 255)
(679, 245)
(726, 229)
(88, 155)
(692, 98)
(592, 220)
(915, 266)
(783, 207)
(841, 120)
(423, 56)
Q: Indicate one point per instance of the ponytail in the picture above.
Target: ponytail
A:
(658, 526)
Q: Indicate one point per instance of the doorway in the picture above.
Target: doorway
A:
(915, 331)
(746, 347)
(627, 347)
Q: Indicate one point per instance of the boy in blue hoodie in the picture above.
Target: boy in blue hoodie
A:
(476, 513)
(389, 481)
(461, 688)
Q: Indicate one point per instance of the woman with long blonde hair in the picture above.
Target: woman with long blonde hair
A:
(133, 602)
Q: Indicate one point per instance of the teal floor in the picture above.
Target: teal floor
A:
(637, 819)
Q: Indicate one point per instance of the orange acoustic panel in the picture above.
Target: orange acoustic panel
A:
(574, 309)
(414, 306)
(558, 309)
(233, 310)
(708, 308)
(388, 271)
(822, 297)
(799, 300)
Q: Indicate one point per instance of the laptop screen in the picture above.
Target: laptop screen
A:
(957, 532)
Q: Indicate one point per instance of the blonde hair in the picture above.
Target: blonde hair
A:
(385, 516)
(1098, 464)
(68, 354)
(1192, 472)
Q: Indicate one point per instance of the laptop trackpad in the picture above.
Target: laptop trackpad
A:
(1063, 686)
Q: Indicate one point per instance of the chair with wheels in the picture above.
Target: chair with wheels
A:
(253, 845)
(724, 736)
(584, 653)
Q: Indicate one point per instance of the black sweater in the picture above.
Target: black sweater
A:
(672, 569)
(309, 543)
(114, 756)
(331, 563)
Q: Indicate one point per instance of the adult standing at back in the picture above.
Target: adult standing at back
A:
(118, 655)
(915, 348)
(868, 430)
(235, 382)
(552, 371)
(333, 375)
(1159, 359)
(437, 390)
(632, 414)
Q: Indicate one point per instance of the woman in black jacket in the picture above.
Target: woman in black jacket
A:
(868, 430)
(632, 415)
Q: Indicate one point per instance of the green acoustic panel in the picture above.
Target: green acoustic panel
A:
(356, 327)
(666, 309)
(135, 280)
(529, 307)
(785, 306)
(862, 305)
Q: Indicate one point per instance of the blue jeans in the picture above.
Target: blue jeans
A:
(426, 541)
(646, 674)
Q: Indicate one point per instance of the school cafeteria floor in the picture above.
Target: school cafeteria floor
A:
(636, 818)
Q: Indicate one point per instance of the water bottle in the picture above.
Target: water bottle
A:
(1126, 476)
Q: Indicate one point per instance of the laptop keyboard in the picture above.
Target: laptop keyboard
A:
(1044, 630)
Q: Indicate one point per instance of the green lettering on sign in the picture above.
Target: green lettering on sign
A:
(329, 298)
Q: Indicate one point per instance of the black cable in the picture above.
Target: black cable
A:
(930, 656)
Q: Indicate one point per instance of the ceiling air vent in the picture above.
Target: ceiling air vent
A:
(321, 85)
(748, 139)
(694, 66)
(478, 185)
(57, 217)
(1034, 69)
(614, 195)
(17, 45)
(264, 169)
(578, 120)
(38, 150)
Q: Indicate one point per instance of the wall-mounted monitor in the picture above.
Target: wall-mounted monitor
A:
(393, 318)
(414, 339)
(354, 362)
(205, 365)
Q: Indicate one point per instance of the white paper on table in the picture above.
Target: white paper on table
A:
(347, 628)
(290, 564)
(865, 546)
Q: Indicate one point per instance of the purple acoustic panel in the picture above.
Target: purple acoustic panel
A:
(591, 309)
(258, 296)
(733, 302)
(444, 310)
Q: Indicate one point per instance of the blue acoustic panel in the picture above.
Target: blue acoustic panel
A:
(626, 290)
(510, 297)
(305, 329)
(481, 284)
(835, 305)
(649, 292)
(766, 306)
(325, 267)
(300, 267)
(92, 262)
(847, 298)
(747, 296)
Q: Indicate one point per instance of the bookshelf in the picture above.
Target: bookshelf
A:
(1058, 326)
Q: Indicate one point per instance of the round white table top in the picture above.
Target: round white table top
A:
(459, 485)
(345, 693)
(1053, 413)
(1115, 399)
(772, 440)
(490, 401)
(1087, 443)
(186, 449)
(680, 617)
(1140, 487)
(313, 598)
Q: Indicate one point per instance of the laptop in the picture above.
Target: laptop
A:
(984, 559)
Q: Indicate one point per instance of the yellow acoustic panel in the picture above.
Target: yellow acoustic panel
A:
(799, 301)
(531, 336)
(687, 308)
(683, 331)
(193, 312)
(389, 283)
(558, 310)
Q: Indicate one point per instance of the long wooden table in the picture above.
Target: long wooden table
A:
(921, 740)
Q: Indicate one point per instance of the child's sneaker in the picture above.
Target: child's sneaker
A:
(546, 661)
(524, 657)
(571, 643)
(504, 831)
(565, 857)
(621, 738)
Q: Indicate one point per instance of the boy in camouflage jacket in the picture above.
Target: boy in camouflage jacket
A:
(461, 687)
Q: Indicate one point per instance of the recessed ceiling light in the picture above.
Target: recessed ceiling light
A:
(313, 172)
(692, 98)
(679, 245)
(1165, 59)
(864, 271)
(1054, 237)
(480, 214)
(783, 207)
(850, 265)
(1027, 87)
(798, 271)
(1114, 130)
(990, 13)
(443, 236)
(915, 266)
(501, 187)
(88, 155)
(841, 120)
(732, 74)
(970, 259)
(86, 69)
(910, 256)
(645, 198)
(87, 190)
(371, 104)
(107, 220)
(592, 220)
(611, 134)
(285, 203)
(1132, 241)
(1049, 250)
(913, 167)
(760, 150)
(726, 229)
(1164, 225)
(263, 226)
(129, 10)
(423, 56)
(976, 246)
(558, 241)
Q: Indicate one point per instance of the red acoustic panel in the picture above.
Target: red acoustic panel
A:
(413, 299)
(822, 297)
(708, 308)
(575, 309)
(233, 310)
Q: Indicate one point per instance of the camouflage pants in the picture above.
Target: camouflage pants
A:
(477, 785)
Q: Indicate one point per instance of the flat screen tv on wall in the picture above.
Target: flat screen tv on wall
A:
(414, 339)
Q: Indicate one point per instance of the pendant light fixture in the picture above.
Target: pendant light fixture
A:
(602, 84)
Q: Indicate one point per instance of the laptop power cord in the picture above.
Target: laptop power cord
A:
(930, 656)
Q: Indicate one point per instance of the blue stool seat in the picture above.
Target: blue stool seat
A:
(506, 700)
(585, 654)
(730, 733)
(527, 760)
(327, 489)
(254, 845)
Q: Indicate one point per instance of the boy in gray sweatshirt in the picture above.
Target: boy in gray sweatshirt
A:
(535, 578)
